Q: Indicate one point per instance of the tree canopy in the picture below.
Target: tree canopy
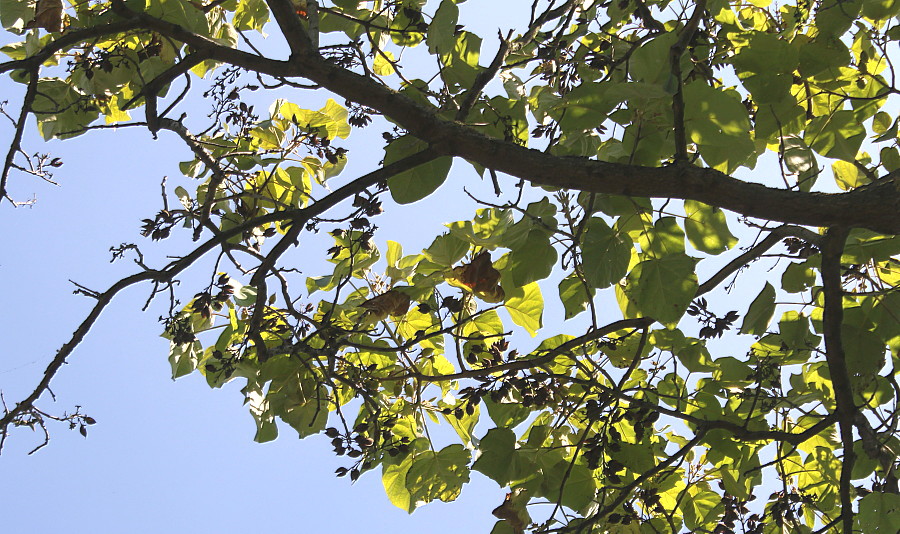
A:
(633, 161)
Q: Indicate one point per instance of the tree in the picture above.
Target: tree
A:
(615, 136)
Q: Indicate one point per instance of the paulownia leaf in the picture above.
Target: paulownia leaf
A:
(574, 295)
(419, 182)
(438, 475)
(605, 255)
(526, 307)
(879, 512)
(706, 228)
(663, 288)
(760, 313)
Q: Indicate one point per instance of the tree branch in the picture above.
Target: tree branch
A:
(298, 216)
(16, 143)
(775, 236)
(873, 206)
(675, 54)
(833, 315)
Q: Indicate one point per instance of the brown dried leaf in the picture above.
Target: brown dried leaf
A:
(481, 277)
(392, 302)
(47, 15)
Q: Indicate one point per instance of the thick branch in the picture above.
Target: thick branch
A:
(70, 38)
(675, 54)
(291, 26)
(832, 319)
(873, 206)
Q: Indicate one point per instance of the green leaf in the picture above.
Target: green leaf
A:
(251, 15)
(419, 182)
(663, 288)
(864, 349)
(499, 459)
(798, 277)
(623, 349)
(879, 512)
(61, 110)
(880, 9)
(706, 228)
(760, 313)
(690, 351)
(14, 14)
(768, 81)
(183, 358)
(702, 508)
(507, 412)
(837, 136)
(605, 255)
(300, 404)
(650, 62)
(800, 160)
(438, 475)
(717, 121)
(525, 305)
(446, 249)
(573, 484)
(848, 176)
(393, 477)
(823, 53)
(461, 62)
(881, 122)
(574, 295)
(182, 13)
(394, 253)
(487, 229)
(890, 158)
(533, 259)
(834, 17)
(266, 430)
(465, 425)
(383, 64)
(441, 38)
(585, 107)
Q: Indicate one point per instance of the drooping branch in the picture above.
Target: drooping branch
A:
(774, 237)
(298, 217)
(67, 40)
(16, 143)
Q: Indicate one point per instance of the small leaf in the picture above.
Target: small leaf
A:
(760, 313)
(706, 228)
